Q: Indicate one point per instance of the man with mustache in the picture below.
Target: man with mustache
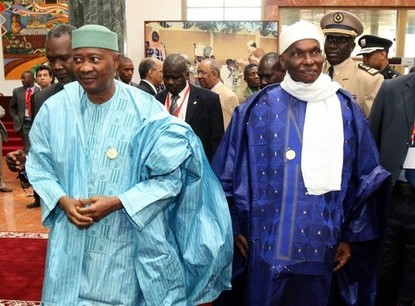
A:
(298, 164)
(137, 216)
(363, 82)
(356, 283)
(208, 75)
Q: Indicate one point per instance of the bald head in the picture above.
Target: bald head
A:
(175, 73)
(270, 70)
(176, 62)
(151, 70)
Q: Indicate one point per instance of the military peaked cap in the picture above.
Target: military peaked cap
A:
(372, 43)
(341, 23)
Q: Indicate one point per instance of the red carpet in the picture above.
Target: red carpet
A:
(22, 263)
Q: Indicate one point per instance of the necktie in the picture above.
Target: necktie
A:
(331, 72)
(29, 101)
(173, 105)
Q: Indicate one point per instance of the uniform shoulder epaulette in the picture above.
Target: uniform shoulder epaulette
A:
(368, 69)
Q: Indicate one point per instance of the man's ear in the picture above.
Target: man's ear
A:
(116, 58)
(282, 62)
(150, 72)
(352, 46)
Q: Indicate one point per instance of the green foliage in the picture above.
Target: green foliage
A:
(265, 28)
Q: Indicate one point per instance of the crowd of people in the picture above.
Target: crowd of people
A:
(171, 193)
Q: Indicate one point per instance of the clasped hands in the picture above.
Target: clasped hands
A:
(84, 212)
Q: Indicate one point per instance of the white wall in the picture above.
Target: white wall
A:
(137, 12)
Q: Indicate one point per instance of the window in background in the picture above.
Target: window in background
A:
(224, 10)
(376, 22)
(379, 22)
(410, 34)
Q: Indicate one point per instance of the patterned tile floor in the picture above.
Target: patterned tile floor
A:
(14, 216)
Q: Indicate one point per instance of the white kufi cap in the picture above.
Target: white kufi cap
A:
(298, 31)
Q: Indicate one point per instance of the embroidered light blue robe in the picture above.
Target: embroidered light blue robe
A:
(171, 244)
(292, 235)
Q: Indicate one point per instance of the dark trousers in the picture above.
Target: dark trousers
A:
(36, 196)
(27, 124)
(396, 278)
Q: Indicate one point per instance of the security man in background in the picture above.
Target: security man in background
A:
(355, 284)
(375, 51)
(363, 82)
(270, 70)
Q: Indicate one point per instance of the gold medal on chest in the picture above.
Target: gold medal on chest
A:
(290, 154)
(112, 153)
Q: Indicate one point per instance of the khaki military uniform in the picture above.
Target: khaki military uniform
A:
(362, 82)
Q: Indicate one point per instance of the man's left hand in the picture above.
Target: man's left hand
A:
(98, 207)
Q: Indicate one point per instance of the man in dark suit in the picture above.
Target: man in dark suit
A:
(151, 74)
(59, 55)
(392, 123)
(199, 107)
(20, 109)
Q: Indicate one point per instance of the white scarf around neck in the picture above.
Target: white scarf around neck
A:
(323, 137)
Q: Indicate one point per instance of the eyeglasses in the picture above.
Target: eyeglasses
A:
(338, 39)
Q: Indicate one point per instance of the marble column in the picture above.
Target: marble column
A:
(110, 14)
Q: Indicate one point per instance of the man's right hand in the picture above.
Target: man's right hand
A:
(71, 207)
(16, 160)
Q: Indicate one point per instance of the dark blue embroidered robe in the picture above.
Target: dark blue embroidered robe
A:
(292, 235)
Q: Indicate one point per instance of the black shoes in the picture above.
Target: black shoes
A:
(24, 181)
(35, 204)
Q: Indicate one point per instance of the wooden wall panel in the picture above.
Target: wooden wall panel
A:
(272, 6)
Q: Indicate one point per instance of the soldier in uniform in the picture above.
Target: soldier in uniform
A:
(363, 82)
(355, 284)
(375, 51)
